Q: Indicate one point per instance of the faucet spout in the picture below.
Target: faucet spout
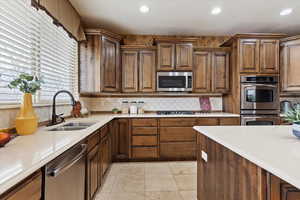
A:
(54, 115)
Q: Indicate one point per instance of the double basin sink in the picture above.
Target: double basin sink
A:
(73, 126)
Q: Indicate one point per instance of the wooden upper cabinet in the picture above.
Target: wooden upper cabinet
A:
(202, 71)
(129, 71)
(166, 57)
(110, 69)
(269, 56)
(90, 58)
(99, 69)
(184, 56)
(147, 71)
(249, 55)
(220, 72)
(290, 66)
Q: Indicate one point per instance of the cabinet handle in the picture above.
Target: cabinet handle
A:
(204, 156)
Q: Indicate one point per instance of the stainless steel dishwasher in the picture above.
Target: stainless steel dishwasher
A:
(65, 175)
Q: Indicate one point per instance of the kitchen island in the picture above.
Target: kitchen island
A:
(248, 163)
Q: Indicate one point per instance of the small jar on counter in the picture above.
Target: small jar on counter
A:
(133, 107)
(125, 107)
(140, 105)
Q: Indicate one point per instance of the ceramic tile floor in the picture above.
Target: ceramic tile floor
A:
(150, 181)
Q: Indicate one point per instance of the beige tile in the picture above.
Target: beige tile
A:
(108, 183)
(157, 169)
(127, 196)
(128, 168)
(160, 183)
(183, 168)
(163, 196)
(102, 196)
(188, 195)
(186, 182)
(129, 183)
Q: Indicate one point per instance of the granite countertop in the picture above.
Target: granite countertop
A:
(26, 154)
(273, 148)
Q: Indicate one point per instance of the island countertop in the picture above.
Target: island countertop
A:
(273, 148)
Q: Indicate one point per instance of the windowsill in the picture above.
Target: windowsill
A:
(39, 105)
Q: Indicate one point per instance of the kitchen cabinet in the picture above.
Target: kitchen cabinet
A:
(105, 149)
(211, 71)
(280, 190)
(144, 139)
(122, 140)
(138, 71)
(223, 174)
(259, 55)
(230, 121)
(174, 55)
(290, 65)
(31, 188)
(100, 69)
(93, 173)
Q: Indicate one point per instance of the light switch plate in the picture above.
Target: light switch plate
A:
(204, 156)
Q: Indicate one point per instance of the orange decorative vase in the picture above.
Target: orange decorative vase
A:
(26, 121)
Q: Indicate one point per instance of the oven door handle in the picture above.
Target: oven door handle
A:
(61, 168)
(263, 85)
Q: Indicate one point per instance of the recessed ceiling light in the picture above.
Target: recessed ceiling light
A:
(144, 9)
(285, 12)
(216, 11)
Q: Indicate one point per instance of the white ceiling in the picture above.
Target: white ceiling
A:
(190, 17)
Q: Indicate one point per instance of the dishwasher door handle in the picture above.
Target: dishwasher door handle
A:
(61, 168)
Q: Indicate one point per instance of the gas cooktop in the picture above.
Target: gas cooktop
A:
(175, 112)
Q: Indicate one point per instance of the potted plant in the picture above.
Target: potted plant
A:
(293, 116)
(26, 121)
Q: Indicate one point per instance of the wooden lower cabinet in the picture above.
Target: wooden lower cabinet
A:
(93, 174)
(30, 188)
(104, 155)
(230, 121)
(121, 139)
(144, 152)
(223, 174)
(178, 150)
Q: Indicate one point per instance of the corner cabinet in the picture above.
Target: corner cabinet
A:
(290, 65)
(100, 62)
(211, 71)
(138, 70)
(174, 55)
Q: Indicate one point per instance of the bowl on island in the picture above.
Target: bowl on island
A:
(296, 129)
(4, 139)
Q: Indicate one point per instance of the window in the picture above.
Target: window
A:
(31, 43)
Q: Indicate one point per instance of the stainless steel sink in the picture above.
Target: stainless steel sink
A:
(72, 126)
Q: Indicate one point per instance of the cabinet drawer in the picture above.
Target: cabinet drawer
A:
(177, 134)
(207, 121)
(178, 122)
(178, 150)
(144, 131)
(144, 122)
(93, 140)
(144, 140)
(229, 121)
(144, 152)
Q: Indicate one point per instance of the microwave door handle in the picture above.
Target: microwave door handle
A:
(186, 82)
(264, 85)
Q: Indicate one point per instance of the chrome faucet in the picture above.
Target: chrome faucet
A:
(55, 117)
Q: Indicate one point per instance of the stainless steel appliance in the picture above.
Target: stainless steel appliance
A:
(65, 175)
(174, 81)
(260, 120)
(259, 95)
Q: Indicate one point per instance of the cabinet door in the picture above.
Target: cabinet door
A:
(269, 56)
(249, 55)
(123, 138)
(202, 72)
(130, 71)
(90, 57)
(92, 172)
(220, 72)
(166, 56)
(290, 67)
(30, 188)
(184, 56)
(104, 155)
(110, 71)
(147, 71)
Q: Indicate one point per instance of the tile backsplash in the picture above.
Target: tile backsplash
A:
(153, 104)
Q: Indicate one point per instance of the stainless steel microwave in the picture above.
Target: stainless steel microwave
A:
(174, 81)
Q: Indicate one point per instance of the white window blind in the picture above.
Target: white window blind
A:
(31, 43)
